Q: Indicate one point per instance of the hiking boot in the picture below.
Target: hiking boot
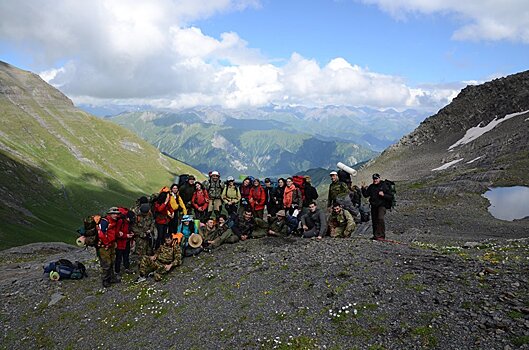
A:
(157, 277)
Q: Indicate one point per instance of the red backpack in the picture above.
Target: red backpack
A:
(299, 182)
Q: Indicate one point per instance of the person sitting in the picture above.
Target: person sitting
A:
(278, 225)
(314, 223)
(166, 257)
(187, 229)
(246, 226)
(341, 222)
(223, 233)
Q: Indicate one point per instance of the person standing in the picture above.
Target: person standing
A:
(200, 202)
(214, 187)
(231, 196)
(108, 229)
(292, 198)
(186, 192)
(311, 194)
(380, 198)
(161, 216)
(271, 198)
(337, 189)
(257, 199)
(177, 206)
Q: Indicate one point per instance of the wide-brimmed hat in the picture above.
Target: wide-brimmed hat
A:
(195, 240)
(281, 213)
(113, 210)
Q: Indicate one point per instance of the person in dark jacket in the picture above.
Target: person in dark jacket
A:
(311, 194)
(186, 192)
(380, 198)
(314, 223)
(271, 198)
(280, 192)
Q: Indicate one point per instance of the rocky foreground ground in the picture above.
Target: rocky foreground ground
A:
(278, 293)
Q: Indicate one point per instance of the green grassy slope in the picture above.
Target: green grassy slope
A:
(59, 164)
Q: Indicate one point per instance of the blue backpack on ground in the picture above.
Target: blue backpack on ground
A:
(65, 269)
(292, 223)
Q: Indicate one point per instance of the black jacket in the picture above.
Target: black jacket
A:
(375, 200)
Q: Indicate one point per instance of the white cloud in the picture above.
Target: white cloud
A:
(481, 19)
(143, 52)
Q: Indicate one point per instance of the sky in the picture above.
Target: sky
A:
(382, 54)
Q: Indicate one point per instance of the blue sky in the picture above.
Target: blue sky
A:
(378, 53)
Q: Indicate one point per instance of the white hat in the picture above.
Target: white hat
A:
(215, 173)
(333, 173)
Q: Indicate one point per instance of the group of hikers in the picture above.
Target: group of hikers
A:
(188, 218)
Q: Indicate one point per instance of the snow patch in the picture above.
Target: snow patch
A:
(477, 131)
(448, 165)
(473, 160)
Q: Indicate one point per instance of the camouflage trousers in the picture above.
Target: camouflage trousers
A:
(337, 231)
(147, 266)
(227, 237)
(143, 246)
(107, 258)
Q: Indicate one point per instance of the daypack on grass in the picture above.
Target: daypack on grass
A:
(65, 269)
(393, 190)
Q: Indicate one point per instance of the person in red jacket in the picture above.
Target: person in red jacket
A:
(124, 239)
(200, 202)
(107, 230)
(257, 199)
(162, 211)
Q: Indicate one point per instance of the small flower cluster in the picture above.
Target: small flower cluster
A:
(343, 312)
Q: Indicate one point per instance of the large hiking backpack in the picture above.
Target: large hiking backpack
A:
(344, 176)
(393, 190)
(182, 179)
(65, 269)
(90, 231)
(365, 213)
(299, 182)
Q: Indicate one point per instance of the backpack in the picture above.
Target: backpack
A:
(65, 269)
(344, 176)
(299, 182)
(90, 231)
(365, 214)
(393, 190)
(182, 179)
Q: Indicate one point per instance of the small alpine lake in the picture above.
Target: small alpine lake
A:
(508, 203)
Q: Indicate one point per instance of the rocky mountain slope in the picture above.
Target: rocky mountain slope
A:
(58, 163)
(241, 144)
(445, 165)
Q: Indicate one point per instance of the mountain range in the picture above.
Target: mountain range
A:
(270, 140)
(59, 164)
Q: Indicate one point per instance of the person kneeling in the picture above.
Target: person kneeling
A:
(341, 222)
(166, 257)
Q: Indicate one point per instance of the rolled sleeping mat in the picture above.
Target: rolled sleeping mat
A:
(80, 241)
(346, 168)
(54, 276)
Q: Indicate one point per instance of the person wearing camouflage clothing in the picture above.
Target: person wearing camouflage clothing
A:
(208, 232)
(337, 189)
(108, 229)
(214, 187)
(278, 225)
(341, 222)
(166, 257)
(223, 234)
(144, 230)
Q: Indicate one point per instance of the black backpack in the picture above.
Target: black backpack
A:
(182, 179)
(65, 269)
(393, 190)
